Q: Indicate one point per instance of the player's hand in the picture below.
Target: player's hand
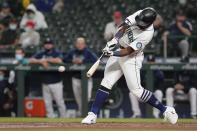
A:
(108, 52)
(74, 61)
(77, 60)
(6, 106)
(45, 63)
(179, 24)
(165, 34)
(80, 61)
(179, 86)
(106, 49)
(111, 44)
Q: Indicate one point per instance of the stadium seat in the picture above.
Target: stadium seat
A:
(89, 19)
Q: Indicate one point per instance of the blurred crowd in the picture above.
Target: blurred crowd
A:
(24, 32)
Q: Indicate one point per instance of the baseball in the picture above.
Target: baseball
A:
(61, 69)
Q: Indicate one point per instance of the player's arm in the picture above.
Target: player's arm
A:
(122, 52)
(111, 44)
(43, 62)
(56, 60)
(122, 30)
(183, 29)
(35, 61)
(126, 51)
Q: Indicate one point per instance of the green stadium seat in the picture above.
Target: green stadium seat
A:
(89, 19)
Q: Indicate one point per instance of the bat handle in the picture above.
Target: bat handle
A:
(101, 56)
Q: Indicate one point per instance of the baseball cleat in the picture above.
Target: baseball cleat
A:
(89, 119)
(170, 115)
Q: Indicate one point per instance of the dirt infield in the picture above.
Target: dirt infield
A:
(49, 125)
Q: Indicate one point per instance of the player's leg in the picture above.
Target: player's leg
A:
(159, 96)
(111, 74)
(132, 75)
(184, 47)
(135, 106)
(90, 86)
(57, 90)
(192, 98)
(76, 85)
(48, 100)
(170, 96)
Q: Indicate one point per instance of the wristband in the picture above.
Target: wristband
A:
(116, 53)
(121, 24)
(118, 35)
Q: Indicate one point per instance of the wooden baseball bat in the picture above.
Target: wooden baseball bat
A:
(94, 67)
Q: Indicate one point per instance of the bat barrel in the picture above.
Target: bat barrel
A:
(93, 69)
(88, 75)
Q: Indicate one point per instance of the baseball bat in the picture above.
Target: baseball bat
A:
(94, 67)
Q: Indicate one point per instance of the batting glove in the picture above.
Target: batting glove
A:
(106, 49)
(111, 44)
(108, 52)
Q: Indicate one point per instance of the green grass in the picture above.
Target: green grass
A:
(78, 120)
(89, 130)
(110, 120)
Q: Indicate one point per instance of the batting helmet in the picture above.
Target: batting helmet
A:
(146, 17)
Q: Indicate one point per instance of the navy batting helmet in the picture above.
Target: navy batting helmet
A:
(146, 17)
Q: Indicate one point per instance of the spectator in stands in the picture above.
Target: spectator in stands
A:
(52, 86)
(112, 27)
(58, 7)
(184, 88)
(80, 54)
(30, 37)
(20, 56)
(9, 36)
(5, 14)
(158, 90)
(7, 98)
(187, 8)
(181, 26)
(32, 14)
(12, 80)
(19, 59)
(16, 6)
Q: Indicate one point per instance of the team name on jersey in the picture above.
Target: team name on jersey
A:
(129, 33)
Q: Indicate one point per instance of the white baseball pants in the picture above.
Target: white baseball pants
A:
(159, 95)
(50, 92)
(77, 90)
(134, 105)
(171, 94)
(127, 65)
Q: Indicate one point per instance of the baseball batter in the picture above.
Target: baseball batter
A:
(132, 37)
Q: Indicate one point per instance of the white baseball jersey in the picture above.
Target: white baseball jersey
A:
(129, 65)
(136, 37)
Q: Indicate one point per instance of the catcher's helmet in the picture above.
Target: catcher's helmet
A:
(146, 17)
